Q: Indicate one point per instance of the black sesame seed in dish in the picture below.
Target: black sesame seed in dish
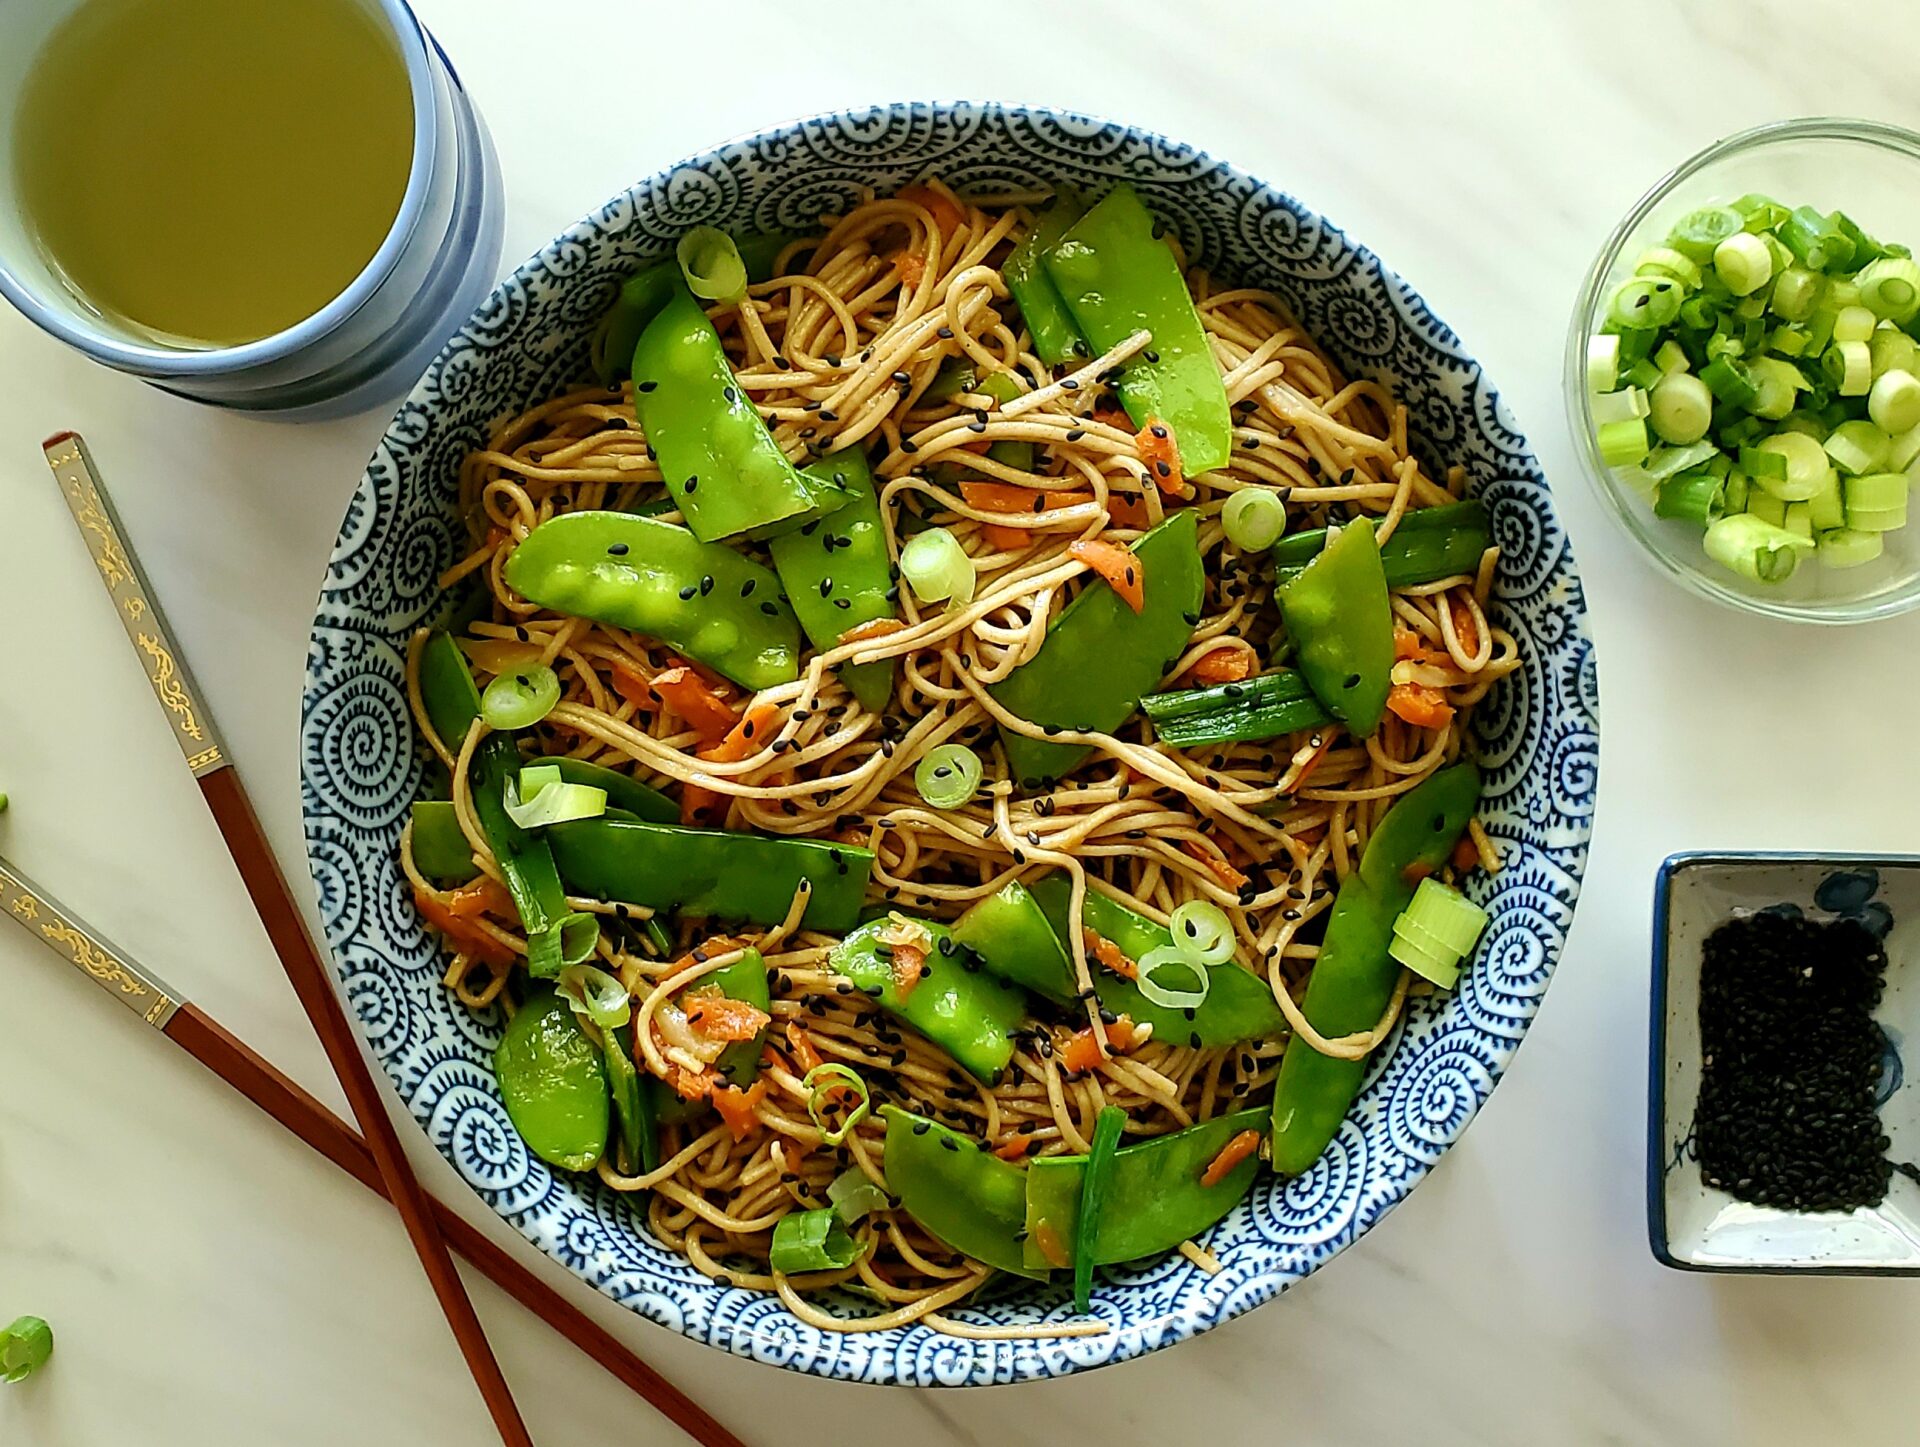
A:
(1790, 1063)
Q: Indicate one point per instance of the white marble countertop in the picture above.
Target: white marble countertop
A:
(212, 1282)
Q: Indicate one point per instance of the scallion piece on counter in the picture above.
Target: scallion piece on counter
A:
(24, 1348)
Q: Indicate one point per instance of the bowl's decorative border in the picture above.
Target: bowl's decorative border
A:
(1537, 735)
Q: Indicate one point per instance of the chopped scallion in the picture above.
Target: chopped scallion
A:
(1743, 262)
(1846, 548)
(1254, 519)
(811, 1241)
(949, 776)
(1755, 549)
(825, 1081)
(1202, 932)
(1893, 402)
(24, 1348)
(1165, 973)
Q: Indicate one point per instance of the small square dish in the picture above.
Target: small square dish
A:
(1694, 1226)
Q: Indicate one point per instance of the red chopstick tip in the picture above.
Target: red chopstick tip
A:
(57, 438)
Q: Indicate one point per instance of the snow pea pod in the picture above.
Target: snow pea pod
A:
(554, 1082)
(719, 461)
(1341, 622)
(643, 295)
(1056, 338)
(711, 873)
(1117, 277)
(958, 1006)
(1153, 1198)
(555, 935)
(1431, 543)
(1239, 1004)
(1230, 713)
(837, 573)
(712, 603)
(1353, 977)
(1129, 653)
(440, 848)
(968, 1198)
(1013, 939)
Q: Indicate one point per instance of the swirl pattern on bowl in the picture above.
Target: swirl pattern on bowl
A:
(1538, 735)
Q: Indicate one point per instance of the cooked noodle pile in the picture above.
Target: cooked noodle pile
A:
(838, 349)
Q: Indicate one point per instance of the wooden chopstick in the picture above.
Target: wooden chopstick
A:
(146, 627)
(230, 1058)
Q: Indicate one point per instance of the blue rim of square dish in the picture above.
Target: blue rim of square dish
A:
(1671, 866)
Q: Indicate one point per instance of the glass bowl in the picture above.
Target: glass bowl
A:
(1867, 169)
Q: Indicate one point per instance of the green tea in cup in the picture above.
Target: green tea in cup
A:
(206, 173)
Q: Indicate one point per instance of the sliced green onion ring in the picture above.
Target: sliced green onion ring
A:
(937, 568)
(596, 994)
(949, 776)
(1847, 548)
(1755, 548)
(835, 1076)
(1163, 972)
(711, 264)
(1858, 447)
(519, 698)
(811, 1241)
(1894, 401)
(1699, 232)
(854, 1195)
(24, 1348)
(1202, 932)
(1254, 518)
(1743, 262)
(1603, 361)
(1681, 408)
(1890, 287)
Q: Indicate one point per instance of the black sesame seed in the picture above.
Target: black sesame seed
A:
(616, 550)
(646, 386)
(688, 593)
(692, 483)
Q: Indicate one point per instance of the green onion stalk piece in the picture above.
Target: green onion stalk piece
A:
(24, 1348)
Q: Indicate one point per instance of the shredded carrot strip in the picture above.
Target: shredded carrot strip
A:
(1005, 539)
(1466, 855)
(1110, 955)
(1308, 759)
(701, 807)
(1014, 1148)
(1082, 1052)
(1464, 628)
(907, 963)
(1223, 665)
(1222, 870)
(719, 1017)
(748, 736)
(486, 895)
(946, 215)
(687, 694)
(1161, 453)
(1047, 1240)
(910, 267)
(460, 931)
(1419, 705)
(499, 655)
(872, 628)
(806, 1054)
(1231, 1154)
(737, 1107)
(1118, 566)
(1126, 510)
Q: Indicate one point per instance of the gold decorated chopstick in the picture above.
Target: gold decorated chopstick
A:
(165, 665)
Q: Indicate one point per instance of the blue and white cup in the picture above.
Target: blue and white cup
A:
(371, 341)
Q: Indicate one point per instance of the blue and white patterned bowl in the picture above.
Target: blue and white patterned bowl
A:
(1538, 736)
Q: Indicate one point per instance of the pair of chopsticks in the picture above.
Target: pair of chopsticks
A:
(374, 1157)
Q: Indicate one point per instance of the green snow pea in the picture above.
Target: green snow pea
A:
(837, 573)
(554, 1082)
(1353, 978)
(1057, 688)
(711, 873)
(1239, 1004)
(1011, 937)
(713, 604)
(957, 1005)
(745, 979)
(719, 461)
(643, 295)
(637, 1146)
(440, 847)
(1153, 1197)
(1056, 338)
(1431, 543)
(1118, 278)
(556, 936)
(1341, 624)
(969, 1198)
